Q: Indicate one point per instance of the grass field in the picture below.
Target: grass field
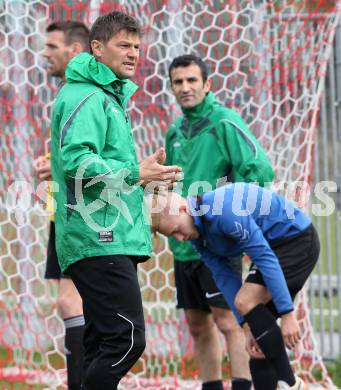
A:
(21, 386)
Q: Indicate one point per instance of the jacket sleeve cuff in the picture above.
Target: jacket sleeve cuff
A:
(242, 322)
(286, 311)
(134, 175)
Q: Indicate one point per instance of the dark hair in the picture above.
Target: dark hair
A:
(187, 60)
(73, 32)
(108, 25)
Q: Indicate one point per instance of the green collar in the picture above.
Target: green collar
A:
(201, 110)
(122, 89)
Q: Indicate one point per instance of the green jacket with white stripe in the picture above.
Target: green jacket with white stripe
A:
(213, 145)
(99, 206)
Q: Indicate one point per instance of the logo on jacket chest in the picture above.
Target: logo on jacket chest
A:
(105, 236)
(240, 233)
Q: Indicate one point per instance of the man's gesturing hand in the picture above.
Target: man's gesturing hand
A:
(152, 170)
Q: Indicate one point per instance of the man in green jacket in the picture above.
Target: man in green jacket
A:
(213, 146)
(101, 232)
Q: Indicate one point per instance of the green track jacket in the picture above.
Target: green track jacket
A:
(99, 207)
(212, 142)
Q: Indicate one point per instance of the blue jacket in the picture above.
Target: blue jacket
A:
(244, 218)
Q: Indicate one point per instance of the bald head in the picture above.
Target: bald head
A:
(170, 216)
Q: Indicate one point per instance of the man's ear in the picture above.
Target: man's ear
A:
(171, 87)
(96, 47)
(207, 85)
(76, 48)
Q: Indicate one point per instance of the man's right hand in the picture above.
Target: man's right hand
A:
(152, 170)
(42, 168)
(290, 329)
(251, 345)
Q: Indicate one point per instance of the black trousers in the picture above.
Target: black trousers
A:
(114, 336)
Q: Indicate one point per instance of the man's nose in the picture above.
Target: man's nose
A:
(185, 86)
(133, 52)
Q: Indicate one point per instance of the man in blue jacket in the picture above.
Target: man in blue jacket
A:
(283, 247)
